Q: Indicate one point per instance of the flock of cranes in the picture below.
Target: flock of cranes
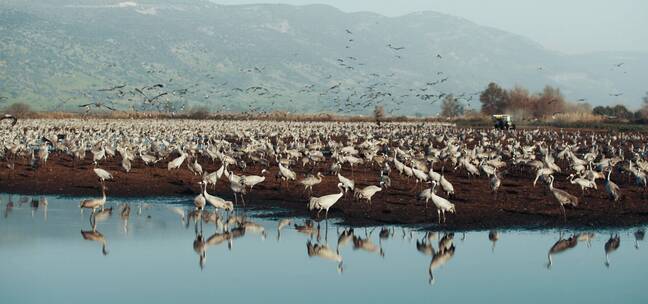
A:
(410, 158)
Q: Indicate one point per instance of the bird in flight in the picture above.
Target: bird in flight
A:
(348, 32)
(439, 56)
(618, 65)
(113, 88)
(616, 94)
(395, 48)
(97, 105)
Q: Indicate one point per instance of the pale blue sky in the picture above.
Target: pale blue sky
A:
(571, 26)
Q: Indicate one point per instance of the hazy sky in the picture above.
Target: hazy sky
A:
(572, 26)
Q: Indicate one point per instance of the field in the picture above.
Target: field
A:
(310, 147)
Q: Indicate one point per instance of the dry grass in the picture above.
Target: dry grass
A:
(272, 116)
(576, 117)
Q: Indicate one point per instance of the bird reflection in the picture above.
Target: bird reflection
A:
(440, 258)
(610, 246)
(9, 207)
(42, 201)
(639, 236)
(281, 225)
(102, 216)
(95, 235)
(585, 237)
(324, 252)
(180, 212)
(493, 236)
(200, 244)
(561, 245)
(367, 245)
(252, 227)
(307, 228)
(213, 217)
(125, 214)
(384, 234)
(344, 237)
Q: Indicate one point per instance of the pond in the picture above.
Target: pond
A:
(52, 253)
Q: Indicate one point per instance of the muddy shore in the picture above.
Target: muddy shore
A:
(517, 204)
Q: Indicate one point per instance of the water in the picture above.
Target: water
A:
(45, 259)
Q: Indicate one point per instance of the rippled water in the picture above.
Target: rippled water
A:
(156, 257)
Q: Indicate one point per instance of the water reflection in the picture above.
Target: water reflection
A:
(639, 236)
(351, 251)
(611, 245)
(561, 245)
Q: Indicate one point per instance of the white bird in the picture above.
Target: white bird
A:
(582, 182)
(325, 202)
(286, 174)
(443, 205)
(210, 178)
(446, 185)
(311, 181)
(542, 172)
(102, 174)
(177, 162)
(197, 168)
(217, 202)
(252, 180)
(346, 183)
(367, 193)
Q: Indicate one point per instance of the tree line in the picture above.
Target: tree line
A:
(524, 105)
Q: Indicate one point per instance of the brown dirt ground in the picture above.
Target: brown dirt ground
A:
(517, 204)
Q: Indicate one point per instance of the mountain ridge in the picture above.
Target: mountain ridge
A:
(51, 52)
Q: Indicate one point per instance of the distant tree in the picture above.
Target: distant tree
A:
(549, 102)
(618, 111)
(622, 112)
(451, 107)
(379, 113)
(18, 109)
(521, 104)
(643, 112)
(494, 99)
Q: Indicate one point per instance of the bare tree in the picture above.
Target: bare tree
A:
(379, 114)
(19, 109)
(644, 108)
(451, 107)
(494, 99)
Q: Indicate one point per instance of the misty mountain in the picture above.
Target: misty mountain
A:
(57, 54)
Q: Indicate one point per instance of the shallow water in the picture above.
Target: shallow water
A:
(44, 258)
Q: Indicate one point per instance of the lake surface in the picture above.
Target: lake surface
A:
(49, 253)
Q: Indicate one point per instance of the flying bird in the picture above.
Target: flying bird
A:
(112, 88)
(97, 105)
